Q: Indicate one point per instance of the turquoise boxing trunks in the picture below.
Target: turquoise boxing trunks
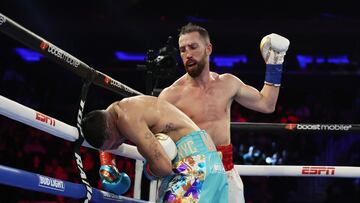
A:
(199, 175)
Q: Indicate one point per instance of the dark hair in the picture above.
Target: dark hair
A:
(190, 27)
(94, 127)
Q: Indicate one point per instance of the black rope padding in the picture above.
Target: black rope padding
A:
(37, 43)
(295, 127)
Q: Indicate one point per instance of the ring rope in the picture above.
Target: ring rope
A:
(57, 128)
(36, 182)
(295, 127)
(21, 34)
(25, 36)
(28, 116)
(35, 42)
(60, 129)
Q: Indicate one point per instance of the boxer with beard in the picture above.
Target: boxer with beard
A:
(206, 96)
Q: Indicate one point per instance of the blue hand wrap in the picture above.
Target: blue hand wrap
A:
(273, 74)
(118, 183)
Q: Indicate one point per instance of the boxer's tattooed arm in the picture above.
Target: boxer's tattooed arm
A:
(169, 127)
(156, 153)
(154, 145)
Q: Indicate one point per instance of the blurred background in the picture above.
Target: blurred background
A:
(321, 83)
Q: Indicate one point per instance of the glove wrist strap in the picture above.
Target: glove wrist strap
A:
(109, 173)
(107, 158)
(273, 74)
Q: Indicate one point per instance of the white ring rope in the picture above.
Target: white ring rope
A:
(55, 127)
(28, 116)
(60, 129)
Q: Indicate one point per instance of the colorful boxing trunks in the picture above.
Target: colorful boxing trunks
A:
(199, 175)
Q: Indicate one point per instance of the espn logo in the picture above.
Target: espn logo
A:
(45, 119)
(318, 170)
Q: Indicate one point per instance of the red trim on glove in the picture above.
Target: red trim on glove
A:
(227, 156)
(107, 158)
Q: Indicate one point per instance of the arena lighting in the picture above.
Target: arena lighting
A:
(123, 56)
(304, 60)
(28, 55)
(221, 61)
(339, 59)
(228, 61)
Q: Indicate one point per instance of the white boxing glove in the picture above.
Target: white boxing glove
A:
(273, 48)
(168, 144)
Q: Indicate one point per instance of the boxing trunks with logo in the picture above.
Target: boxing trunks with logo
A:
(199, 175)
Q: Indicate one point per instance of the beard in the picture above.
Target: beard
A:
(197, 69)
